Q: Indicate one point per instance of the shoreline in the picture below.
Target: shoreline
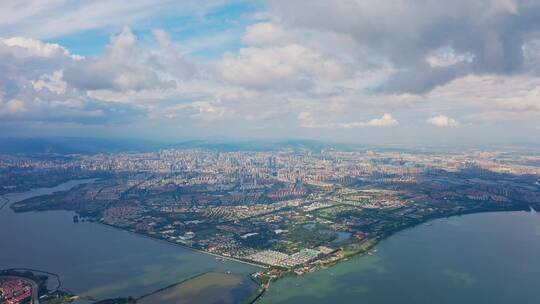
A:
(263, 288)
(48, 273)
(170, 286)
(252, 298)
(34, 299)
(375, 241)
(179, 245)
(91, 180)
(372, 242)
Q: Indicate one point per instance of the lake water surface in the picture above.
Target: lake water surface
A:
(481, 258)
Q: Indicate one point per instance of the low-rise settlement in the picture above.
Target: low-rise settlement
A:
(292, 210)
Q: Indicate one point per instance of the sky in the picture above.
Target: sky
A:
(400, 71)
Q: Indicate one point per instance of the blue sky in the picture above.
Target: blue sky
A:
(231, 18)
(347, 70)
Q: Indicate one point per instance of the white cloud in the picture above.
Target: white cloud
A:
(296, 71)
(504, 6)
(385, 121)
(443, 121)
(266, 33)
(23, 47)
(484, 36)
(35, 90)
(53, 83)
(286, 66)
(54, 18)
(491, 98)
(308, 121)
(201, 111)
(13, 106)
(126, 65)
(447, 56)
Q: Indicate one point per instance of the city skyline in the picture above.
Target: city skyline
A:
(354, 71)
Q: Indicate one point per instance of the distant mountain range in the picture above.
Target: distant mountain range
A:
(254, 145)
(79, 145)
(71, 145)
(75, 145)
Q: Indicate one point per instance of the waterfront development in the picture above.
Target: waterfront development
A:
(94, 261)
(458, 258)
(470, 259)
(14, 290)
(134, 223)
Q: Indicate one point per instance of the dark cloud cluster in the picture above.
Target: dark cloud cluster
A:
(405, 32)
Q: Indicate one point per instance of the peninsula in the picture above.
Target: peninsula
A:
(291, 211)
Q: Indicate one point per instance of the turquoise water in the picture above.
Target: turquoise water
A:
(481, 258)
(93, 259)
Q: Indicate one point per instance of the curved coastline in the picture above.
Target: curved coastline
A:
(223, 268)
(441, 253)
(180, 245)
(376, 241)
(48, 273)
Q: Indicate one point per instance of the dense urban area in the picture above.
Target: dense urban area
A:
(19, 286)
(290, 210)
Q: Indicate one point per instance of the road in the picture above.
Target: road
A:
(35, 288)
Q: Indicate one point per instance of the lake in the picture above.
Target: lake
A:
(96, 260)
(480, 258)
